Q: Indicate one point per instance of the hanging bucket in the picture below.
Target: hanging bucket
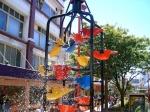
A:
(87, 32)
(59, 42)
(84, 82)
(61, 71)
(57, 48)
(70, 49)
(83, 60)
(41, 69)
(67, 108)
(55, 51)
(83, 101)
(78, 38)
(102, 56)
(57, 91)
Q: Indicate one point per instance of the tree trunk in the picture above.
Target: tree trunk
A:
(122, 99)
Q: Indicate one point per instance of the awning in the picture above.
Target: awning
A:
(11, 71)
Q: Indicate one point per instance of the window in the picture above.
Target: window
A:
(36, 38)
(40, 37)
(42, 41)
(11, 21)
(37, 60)
(46, 9)
(14, 27)
(1, 52)
(10, 54)
(3, 20)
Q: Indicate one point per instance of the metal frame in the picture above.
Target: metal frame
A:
(76, 9)
(102, 71)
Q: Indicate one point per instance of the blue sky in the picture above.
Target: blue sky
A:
(130, 14)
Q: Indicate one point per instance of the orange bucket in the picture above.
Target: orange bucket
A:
(102, 56)
(67, 108)
(83, 101)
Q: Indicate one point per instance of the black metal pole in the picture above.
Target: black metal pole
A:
(47, 36)
(44, 94)
(70, 23)
(62, 21)
(45, 79)
(91, 66)
(102, 72)
(91, 21)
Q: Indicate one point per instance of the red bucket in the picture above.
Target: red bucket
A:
(83, 100)
(87, 31)
(67, 108)
(102, 56)
(78, 38)
(61, 71)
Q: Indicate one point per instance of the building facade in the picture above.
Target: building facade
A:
(22, 30)
(22, 39)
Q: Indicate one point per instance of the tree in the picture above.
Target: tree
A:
(132, 53)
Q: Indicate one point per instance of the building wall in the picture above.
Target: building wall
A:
(23, 8)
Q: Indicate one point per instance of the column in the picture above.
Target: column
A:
(30, 43)
(27, 94)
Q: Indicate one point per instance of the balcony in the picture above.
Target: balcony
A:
(17, 72)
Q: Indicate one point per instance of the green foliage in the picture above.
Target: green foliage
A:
(131, 49)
